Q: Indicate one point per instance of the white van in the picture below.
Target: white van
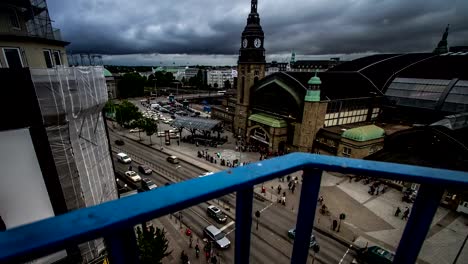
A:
(155, 106)
(124, 158)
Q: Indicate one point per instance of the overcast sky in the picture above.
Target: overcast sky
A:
(154, 32)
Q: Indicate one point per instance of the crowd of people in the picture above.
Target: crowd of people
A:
(216, 158)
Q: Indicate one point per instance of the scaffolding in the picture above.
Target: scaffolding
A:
(38, 20)
(36, 17)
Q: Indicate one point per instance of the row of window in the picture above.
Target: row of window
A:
(13, 58)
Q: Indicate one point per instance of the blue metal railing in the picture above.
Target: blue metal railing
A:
(108, 220)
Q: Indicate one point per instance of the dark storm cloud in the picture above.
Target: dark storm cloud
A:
(214, 26)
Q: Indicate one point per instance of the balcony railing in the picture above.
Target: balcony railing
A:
(108, 220)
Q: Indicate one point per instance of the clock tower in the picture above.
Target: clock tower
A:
(250, 67)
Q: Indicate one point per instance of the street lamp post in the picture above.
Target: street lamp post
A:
(240, 150)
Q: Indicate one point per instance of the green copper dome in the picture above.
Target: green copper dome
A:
(364, 133)
(107, 73)
(315, 80)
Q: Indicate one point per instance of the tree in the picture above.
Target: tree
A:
(153, 245)
(150, 127)
(126, 112)
(131, 85)
(227, 84)
(139, 123)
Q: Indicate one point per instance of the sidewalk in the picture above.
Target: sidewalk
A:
(368, 218)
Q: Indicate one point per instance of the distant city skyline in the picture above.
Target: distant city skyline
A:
(144, 32)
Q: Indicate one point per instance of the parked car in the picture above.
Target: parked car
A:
(216, 213)
(206, 174)
(133, 176)
(119, 142)
(124, 158)
(135, 130)
(292, 235)
(218, 237)
(145, 169)
(148, 184)
(173, 159)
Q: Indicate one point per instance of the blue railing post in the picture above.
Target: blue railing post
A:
(122, 247)
(305, 217)
(418, 225)
(244, 202)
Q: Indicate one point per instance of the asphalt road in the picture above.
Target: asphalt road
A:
(269, 244)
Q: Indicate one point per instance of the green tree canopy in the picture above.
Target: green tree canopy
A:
(153, 245)
(131, 85)
(126, 112)
(149, 126)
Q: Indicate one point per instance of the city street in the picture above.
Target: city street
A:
(270, 243)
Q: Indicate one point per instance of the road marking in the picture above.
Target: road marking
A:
(230, 231)
(199, 215)
(226, 226)
(266, 207)
(350, 246)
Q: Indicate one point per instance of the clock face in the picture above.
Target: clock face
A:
(257, 43)
(244, 43)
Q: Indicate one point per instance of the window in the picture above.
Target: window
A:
(48, 58)
(346, 152)
(12, 58)
(57, 58)
(14, 21)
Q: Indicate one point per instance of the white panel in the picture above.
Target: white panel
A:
(335, 122)
(23, 195)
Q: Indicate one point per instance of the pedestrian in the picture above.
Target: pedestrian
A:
(406, 214)
(283, 200)
(293, 187)
(190, 241)
(320, 199)
(197, 250)
(334, 225)
(289, 184)
(178, 142)
(279, 188)
(130, 167)
(288, 178)
(196, 143)
(214, 260)
(296, 180)
(398, 211)
(207, 255)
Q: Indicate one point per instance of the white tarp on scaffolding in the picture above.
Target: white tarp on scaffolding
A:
(71, 102)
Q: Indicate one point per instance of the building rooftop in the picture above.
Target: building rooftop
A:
(364, 133)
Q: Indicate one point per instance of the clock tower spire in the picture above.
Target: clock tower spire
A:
(250, 66)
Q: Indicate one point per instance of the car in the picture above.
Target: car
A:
(163, 110)
(206, 174)
(217, 236)
(124, 158)
(147, 184)
(119, 142)
(216, 213)
(133, 176)
(292, 235)
(173, 159)
(167, 121)
(375, 254)
(145, 169)
(135, 130)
